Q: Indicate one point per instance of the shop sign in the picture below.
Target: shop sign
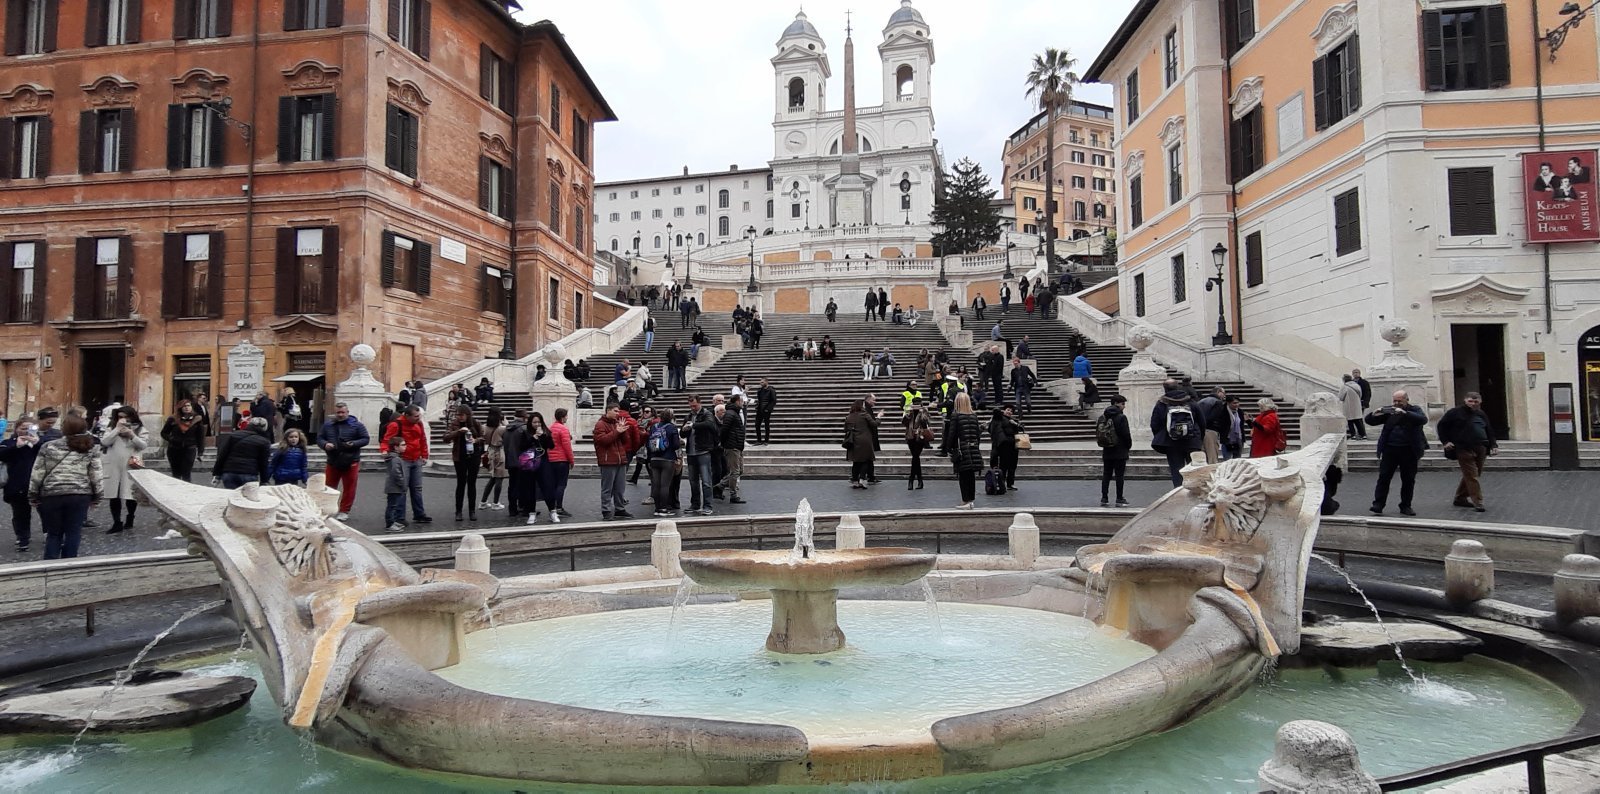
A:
(1561, 202)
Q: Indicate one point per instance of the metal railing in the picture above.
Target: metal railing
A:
(1531, 755)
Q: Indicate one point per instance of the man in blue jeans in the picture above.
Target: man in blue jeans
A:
(702, 442)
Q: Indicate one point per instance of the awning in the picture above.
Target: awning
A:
(299, 377)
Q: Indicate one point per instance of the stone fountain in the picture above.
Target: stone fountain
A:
(805, 582)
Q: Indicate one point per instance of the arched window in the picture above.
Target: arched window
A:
(678, 240)
(722, 199)
(904, 81)
(769, 208)
(797, 94)
(769, 183)
(722, 226)
(656, 243)
(700, 239)
(613, 243)
(635, 244)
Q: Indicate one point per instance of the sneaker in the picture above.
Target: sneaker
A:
(606, 516)
(663, 513)
(704, 511)
(1375, 510)
(563, 512)
(395, 527)
(1406, 511)
(1461, 503)
(485, 506)
(555, 516)
(964, 506)
(422, 519)
(623, 514)
(341, 516)
(22, 547)
(1480, 508)
(533, 518)
(1122, 503)
(735, 501)
(1105, 502)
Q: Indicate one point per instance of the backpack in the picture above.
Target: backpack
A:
(1105, 431)
(1180, 423)
(994, 482)
(658, 438)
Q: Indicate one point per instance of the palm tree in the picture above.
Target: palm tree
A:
(1051, 81)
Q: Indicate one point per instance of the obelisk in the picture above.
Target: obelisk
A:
(850, 191)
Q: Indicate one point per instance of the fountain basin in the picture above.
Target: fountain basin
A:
(823, 571)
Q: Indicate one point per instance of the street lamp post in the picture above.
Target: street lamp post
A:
(1038, 218)
(507, 282)
(1219, 257)
(688, 266)
(1009, 245)
(669, 247)
(752, 287)
(905, 197)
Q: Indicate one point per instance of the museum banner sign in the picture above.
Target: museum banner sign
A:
(1561, 204)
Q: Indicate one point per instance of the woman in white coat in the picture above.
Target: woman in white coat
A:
(1350, 393)
(122, 443)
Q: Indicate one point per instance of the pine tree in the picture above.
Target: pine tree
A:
(963, 211)
(1109, 250)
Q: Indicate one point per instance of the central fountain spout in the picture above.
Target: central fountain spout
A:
(805, 583)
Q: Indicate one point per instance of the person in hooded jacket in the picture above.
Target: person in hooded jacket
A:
(1114, 459)
(1178, 450)
(243, 456)
(1003, 430)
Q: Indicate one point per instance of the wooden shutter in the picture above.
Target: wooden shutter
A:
(1352, 76)
(6, 280)
(1498, 44)
(508, 194)
(1236, 146)
(125, 141)
(1347, 222)
(183, 20)
(287, 126)
(224, 18)
(330, 127)
(424, 255)
(286, 278)
(1254, 272)
(294, 15)
(486, 71)
(135, 12)
(413, 131)
(8, 151)
(172, 280)
(330, 270)
(45, 130)
(52, 15)
(424, 28)
(391, 138)
(335, 13)
(386, 260)
(94, 27)
(1319, 92)
(124, 277)
(394, 19)
(483, 284)
(83, 280)
(88, 135)
(216, 272)
(1471, 201)
(1136, 200)
(508, 85)
(214, 144)
(16, 28)
(484, 183)
(175, 136)
(41, 269)
(1433, 51)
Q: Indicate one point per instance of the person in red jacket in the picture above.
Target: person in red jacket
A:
(404, 445)
(557, 466)
(616, 436)
(1266, 431)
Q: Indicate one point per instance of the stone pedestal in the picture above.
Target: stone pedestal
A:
(850, 534)
(472, 554)
(665, 546)
(554, 391)
(1324, 414)
(1141, 382)
(1577, 584)
(1468, 573)
(361, 391)
(731, 342)
(805, 622)
(1314, 757)
(1023, 538)
(1398, 371)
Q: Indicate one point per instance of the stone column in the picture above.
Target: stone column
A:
(1468, 573)
(850, 534)
(1577, 584)
(472, 554)
(1312, 757)
(554, 391)
(1324, 414)
(1140, 382)
(362, 392)
(1023, 538)
(665, 547)
(1398, 371)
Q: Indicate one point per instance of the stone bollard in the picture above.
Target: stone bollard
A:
(472, 554)
(1313, 756)
(1024, 539)
(850, 534)
(665, 547)
(1577, 588)
(1468, 573)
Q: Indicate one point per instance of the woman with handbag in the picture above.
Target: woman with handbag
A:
(185, 435)
(1004, 433)
(67, 480)
(919, 435)
(465, 438)
(494, 459)
(962, 437)
(860, 430)
(1266, 431)
(124, 440)
(531, 460)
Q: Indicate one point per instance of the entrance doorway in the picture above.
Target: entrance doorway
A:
(1589, 382)
(19, 387)
(1479, 353)
(102, 376)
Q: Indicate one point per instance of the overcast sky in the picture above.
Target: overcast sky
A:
(691, 80)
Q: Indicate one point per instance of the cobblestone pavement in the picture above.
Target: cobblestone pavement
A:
(1527, 497)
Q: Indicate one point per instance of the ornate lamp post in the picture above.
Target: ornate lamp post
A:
(669, 247)
(905, 196)
(1575, 14)
(688, 266)
(507, 282)
(1038, 218)
(750, 234)
(1219, 257)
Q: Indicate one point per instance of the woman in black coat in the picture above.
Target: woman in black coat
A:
(1003, 430)
(963, 435)
(860, 435)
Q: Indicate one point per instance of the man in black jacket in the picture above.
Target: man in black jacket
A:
(1175, 430)
(766, 402)
(1400, 447)
(1114, 459)
(992, 367)
(1466, 433)
(342, 437)
(702, 443)
(677, 367)
(1214, 415)
(731, 436)
(242, 455)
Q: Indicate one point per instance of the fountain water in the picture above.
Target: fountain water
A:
(121, 679)
(1416, 680)
(933, 609)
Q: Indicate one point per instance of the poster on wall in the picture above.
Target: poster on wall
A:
(1562, 206)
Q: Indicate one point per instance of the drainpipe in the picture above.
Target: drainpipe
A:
(250, 161)
(1233, 200)
(1538, 88)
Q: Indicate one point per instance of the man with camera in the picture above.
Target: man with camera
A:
(1400, 447)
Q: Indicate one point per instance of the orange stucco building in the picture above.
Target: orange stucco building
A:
(1362, 163)
(180, 176)
(1085, 172)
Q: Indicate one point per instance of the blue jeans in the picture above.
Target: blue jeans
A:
(235, 481)
(649, 339)
(694, 351)
(1176, 460)
(404, 476)
(61, 518)
(700, 481)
